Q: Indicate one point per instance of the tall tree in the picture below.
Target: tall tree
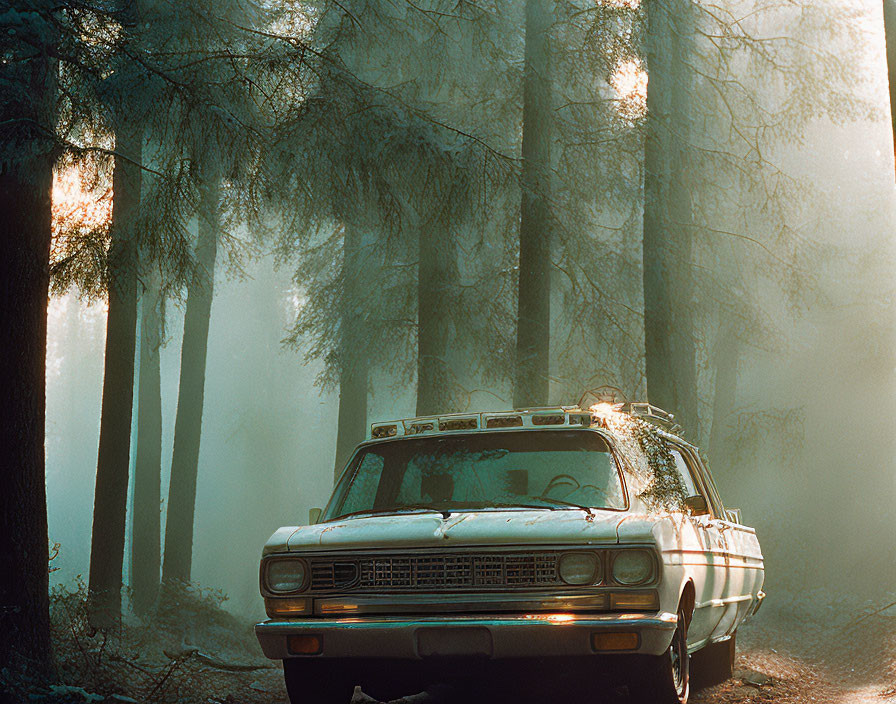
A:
(437, 279)
(669, 329)
(27, 151)
(113, 457)
(532, 372)
(191, 391)
(353, 363)
(146, 558)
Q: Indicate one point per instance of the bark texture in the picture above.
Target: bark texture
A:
(352, 423)
(26, 181)
(436, 278)
(113, 457)
(532, 381)
(178, 558)
(671, 364)
(146, 552)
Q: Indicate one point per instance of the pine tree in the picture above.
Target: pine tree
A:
(146, 561)
(532, 373)
(177, 562)
(28, 93)
(669, 328)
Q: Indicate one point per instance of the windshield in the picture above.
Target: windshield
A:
(545, 469)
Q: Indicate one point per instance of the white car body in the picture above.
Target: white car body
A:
(710, 563)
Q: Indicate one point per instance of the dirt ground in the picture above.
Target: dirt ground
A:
(815, 649)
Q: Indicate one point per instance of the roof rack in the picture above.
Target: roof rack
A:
(544, 416)
(653, 414)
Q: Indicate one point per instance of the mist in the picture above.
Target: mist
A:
(816, 480)
(402, 211)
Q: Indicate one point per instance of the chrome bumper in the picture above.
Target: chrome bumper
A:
(494, 637)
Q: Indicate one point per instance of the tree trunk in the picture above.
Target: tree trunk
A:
(352, 423)
(26, 182)
(668, 291)
(727, 353)
(890, 35)
(146, 560)
(113, 458)
(531, 382)
(436, 279)
(188, 424)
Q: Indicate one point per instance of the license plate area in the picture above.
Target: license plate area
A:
(454, 642)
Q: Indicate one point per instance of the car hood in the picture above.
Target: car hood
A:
(514, 527)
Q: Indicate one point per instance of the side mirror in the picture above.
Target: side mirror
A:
(697, 505)
(314, 516)
(733, 515)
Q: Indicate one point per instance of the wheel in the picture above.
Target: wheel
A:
(667, 676)
(713, 664)
(317, 682)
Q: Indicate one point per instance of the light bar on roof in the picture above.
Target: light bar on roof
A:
(459, 423)
(415, 426)
(550, 416)
(383, 430)
(503, 420)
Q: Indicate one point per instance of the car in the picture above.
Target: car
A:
(587, 545)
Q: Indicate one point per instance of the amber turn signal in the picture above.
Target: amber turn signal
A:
(287, 607)
(634, 601)
(304, 645)
(615, 641)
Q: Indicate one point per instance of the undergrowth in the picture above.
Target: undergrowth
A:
(187, 649)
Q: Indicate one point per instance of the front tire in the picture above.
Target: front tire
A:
(667, 676)
(316, 681)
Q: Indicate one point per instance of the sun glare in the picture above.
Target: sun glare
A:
(629, 81)
(75, 208)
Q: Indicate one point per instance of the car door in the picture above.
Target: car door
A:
(707, 560)
(745, 563)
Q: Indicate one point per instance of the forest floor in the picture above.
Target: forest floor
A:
(807, 651)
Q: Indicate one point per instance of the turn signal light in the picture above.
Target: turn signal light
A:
(637, 601)
(304, 645)
(615, 641)
(278, 608)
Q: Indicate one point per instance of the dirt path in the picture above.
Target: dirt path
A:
(811, 650)
(779, 661)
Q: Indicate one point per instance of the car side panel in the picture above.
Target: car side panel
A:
(704, 557)
(746, 574)
(691, 551)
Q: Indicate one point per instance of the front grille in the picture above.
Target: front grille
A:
(436, 572)
(333, 575)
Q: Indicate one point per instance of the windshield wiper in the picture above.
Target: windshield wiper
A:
(549, 504)
(560, 502)
(393, 509)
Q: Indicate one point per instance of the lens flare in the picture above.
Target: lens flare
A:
(629, 82)
(78, 209)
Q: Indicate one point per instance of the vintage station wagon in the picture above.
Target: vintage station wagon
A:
(589, 547)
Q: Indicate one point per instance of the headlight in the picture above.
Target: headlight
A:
(579, 568)
(632, 567)
(286, 575)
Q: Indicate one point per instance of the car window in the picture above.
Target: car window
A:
(714, 498)
(550, 469)
(697, 478)
(685, 472)
(367, 478)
